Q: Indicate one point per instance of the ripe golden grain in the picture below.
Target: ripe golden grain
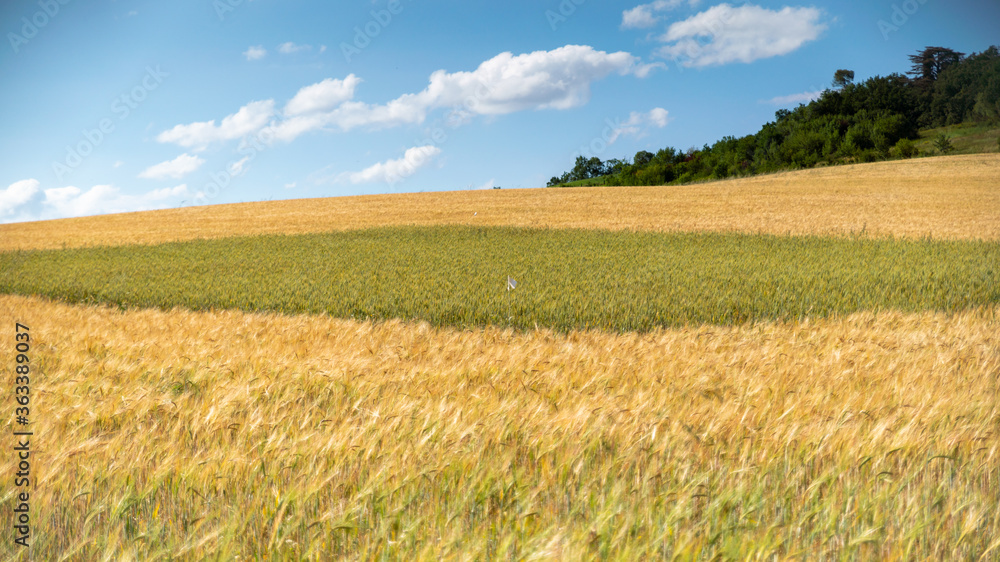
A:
(869, 436)
(943, 197)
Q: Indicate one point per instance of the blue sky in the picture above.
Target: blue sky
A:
(122, 105)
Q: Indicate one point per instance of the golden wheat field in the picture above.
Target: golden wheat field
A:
(911, 198)
(226, 435)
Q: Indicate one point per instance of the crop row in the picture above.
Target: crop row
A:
(567, 279)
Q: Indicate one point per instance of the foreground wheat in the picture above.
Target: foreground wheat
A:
(165, 435)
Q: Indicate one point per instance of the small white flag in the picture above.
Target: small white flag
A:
(511, 284)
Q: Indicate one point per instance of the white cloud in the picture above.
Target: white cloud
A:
(392, 171)
(558, 79)
(643, 16)
(487, 185)
(71, 201)
(637, 122)
(176, 168)
(290, 185)
(724, 34)
(322, 96)
(659, 117)
(118, 164)
(17, 194)
(64, 202)
(644, 70)
(166, 193)
(804, 97)
(290, 48)
(255, 53)
(250, 118)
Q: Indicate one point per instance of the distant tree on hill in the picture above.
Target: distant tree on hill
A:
(642, 158)
(842, 78)
(931, 62)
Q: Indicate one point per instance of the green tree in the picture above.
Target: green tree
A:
(931, 62)
(943, 144)
(905, 148)
(842, 78)
(642, 158)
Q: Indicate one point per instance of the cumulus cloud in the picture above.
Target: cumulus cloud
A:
(250, 118)
(176, 168)
(793, 99)
(16, 195)
(645, 15)
(255, 53)
(71, 201)
(290, 48)
(725, 34)
(638, 122)
(322, 96)
(392, 171)
(558, 79)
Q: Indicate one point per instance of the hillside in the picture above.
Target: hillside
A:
(874, 120)
(908, 198)
(861, 425)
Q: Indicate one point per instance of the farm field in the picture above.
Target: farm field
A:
(568, 279)
(223, 434)
(798, 366)
(754, 315)
(904, 198)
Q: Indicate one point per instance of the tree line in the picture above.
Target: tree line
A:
(850, 122)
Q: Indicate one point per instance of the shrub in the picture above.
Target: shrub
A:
(858, 138)
(943, 144)
(887, 131)
(905, 148)
(868, 156)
